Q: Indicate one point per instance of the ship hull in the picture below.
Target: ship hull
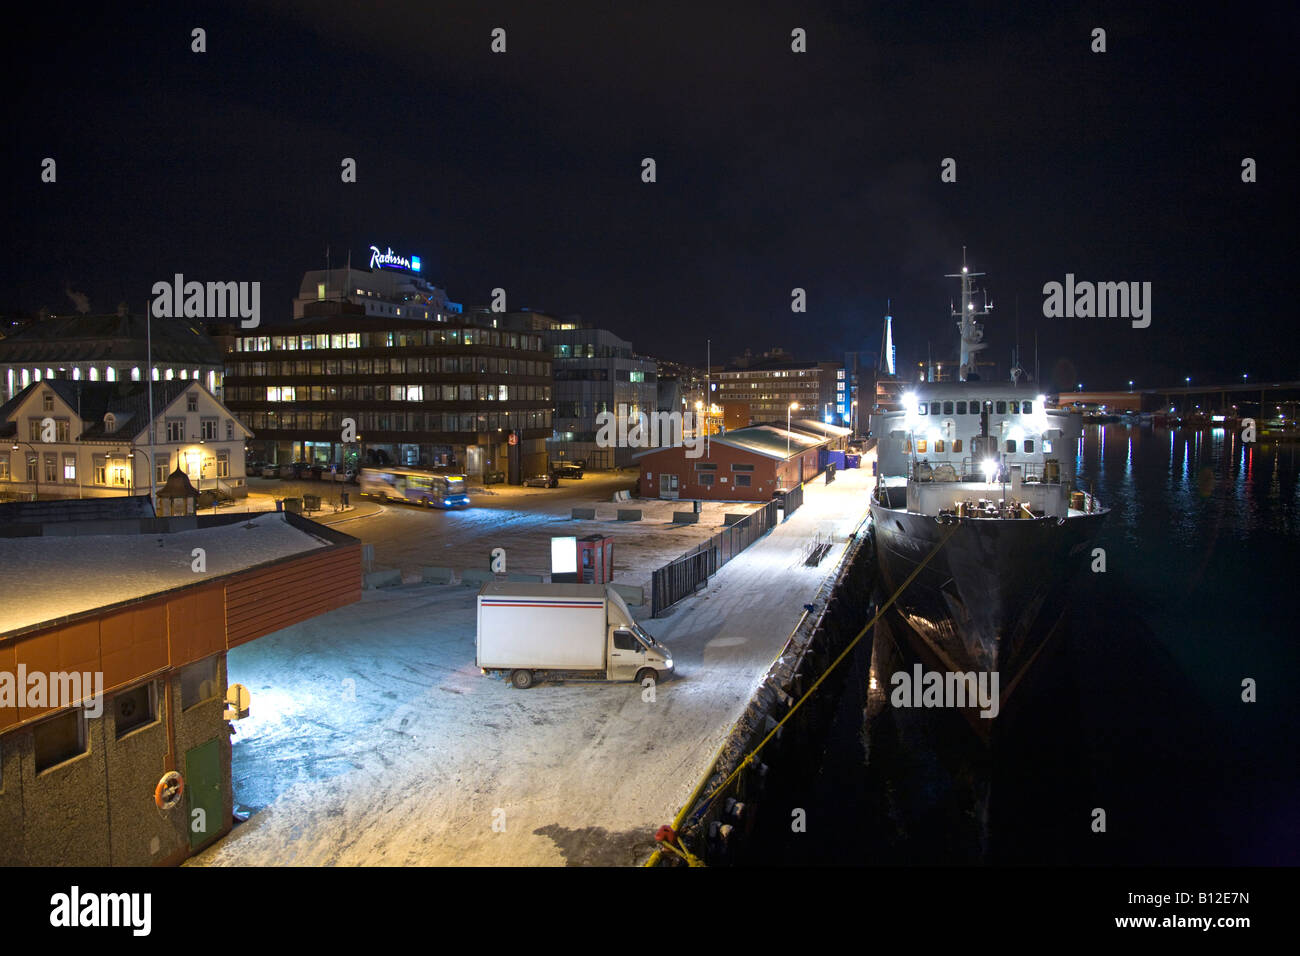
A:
(991, 596)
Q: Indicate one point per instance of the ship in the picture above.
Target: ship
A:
(979, 477)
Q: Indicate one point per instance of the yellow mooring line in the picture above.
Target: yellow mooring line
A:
(691, 859)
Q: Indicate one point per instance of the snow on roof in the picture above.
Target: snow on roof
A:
(769, 440)
(49, 577)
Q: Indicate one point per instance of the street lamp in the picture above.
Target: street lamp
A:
(152, 477)
(793, 406)
(36, 460)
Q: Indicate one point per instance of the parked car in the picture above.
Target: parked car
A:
(567, 469)
(286, 471)
(546, 480)
(494, 477)
(270, 471)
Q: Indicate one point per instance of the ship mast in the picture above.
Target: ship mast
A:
(971, 330)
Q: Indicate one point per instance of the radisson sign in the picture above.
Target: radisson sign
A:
(391, 260)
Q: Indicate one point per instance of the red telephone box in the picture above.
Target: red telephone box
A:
(596, 559)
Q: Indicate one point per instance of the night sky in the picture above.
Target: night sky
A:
(775, 170)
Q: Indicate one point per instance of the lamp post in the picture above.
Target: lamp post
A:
(36, 459)
(131, 455)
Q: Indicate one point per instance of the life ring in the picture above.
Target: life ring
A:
(168, 792)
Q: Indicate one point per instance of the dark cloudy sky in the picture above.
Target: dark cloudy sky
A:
(775, 170)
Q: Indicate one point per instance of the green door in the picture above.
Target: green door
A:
(203, 790)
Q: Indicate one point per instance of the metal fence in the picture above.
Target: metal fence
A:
(684, 576)
(793, 499)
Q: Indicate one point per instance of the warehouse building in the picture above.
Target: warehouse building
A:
(748, 464)
(115, 715)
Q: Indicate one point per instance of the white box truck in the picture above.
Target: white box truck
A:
(531, 631)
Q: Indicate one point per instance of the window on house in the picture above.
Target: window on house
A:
(191, 403)
(59, 739)
(230, 429)
(223, 464)
(742, 467)
(100, 466)
(705, 478)
(47, 403)
(161, 472)
(208, 429)
(51, 467)
(198, 682)
(62, 429)
(743, 481)
(1011, 445)
(69, 467)
(175, 429)
(1029, 446)
(134, 708)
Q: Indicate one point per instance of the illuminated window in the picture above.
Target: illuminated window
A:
(320, 290)
(938, 446)
(956, 445)
(921, 446)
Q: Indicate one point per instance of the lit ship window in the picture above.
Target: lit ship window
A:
(920, 408)
(956, 445)
(920, 446)
(938, 444)
(1015, 407)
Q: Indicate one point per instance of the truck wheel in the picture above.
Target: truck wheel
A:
(645, 672)
(522, 679)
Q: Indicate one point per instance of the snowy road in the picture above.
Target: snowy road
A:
(374, 740)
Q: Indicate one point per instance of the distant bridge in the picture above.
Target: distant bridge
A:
(1272, 397)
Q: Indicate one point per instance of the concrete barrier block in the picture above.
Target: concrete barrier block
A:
(634, 596)
(729, 520)
(520, 577)
(436, 575)
(383, 579)
(629, 514)
(473, 577)
(622, 496)
(685, 517)
(588, 514)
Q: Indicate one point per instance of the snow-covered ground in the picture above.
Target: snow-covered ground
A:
(373, 739)
(523, 521)
(44, 578)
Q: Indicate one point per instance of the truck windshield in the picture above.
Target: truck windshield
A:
(643, 635)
